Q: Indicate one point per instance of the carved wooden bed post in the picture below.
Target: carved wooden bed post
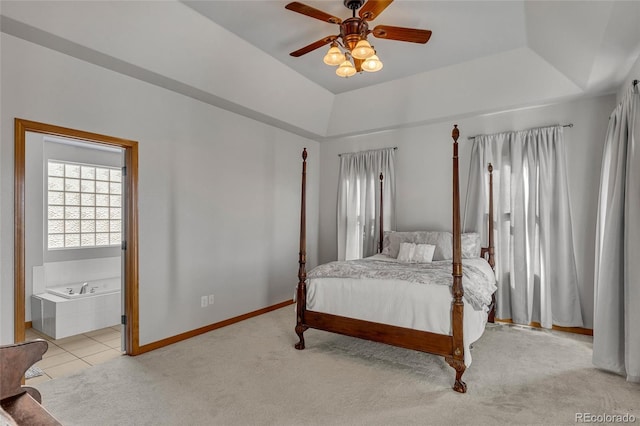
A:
(491, 260)
(301, 295)
(381, 214)
(490, 249)
(456, 360)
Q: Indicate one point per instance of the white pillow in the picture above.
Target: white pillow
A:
(423, 253)
(416, 253)
(441, 239)
(406, 252)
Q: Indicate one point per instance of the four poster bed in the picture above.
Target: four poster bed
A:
(403, 302)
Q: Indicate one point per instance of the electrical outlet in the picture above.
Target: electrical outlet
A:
(203, 302)
(211, 299)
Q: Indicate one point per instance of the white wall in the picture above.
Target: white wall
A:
(171, 45)
(634, 74)
(4, 187)
(467, 89)
(218, 193)
(423, 173)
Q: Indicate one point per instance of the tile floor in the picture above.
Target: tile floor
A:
(68, 355)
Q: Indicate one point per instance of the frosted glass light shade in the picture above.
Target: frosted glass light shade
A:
(363, 50)
(334, 56)
(346, 69)
(372, 64)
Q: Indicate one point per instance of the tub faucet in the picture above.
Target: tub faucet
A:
(83, 289)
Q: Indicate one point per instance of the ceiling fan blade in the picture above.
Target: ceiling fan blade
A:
(313, 46)
(312, 12)
(373, 8)
(412, 35)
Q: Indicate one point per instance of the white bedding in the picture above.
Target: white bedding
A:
(409, 304)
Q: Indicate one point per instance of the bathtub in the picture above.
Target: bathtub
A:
(62, 311)
(93, 288)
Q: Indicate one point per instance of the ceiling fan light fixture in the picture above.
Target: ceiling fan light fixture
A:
(372, 64)
(363, 50)
(334, 56)
(346, 69)
(349, 50)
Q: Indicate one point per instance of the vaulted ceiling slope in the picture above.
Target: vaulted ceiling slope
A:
(483, 57)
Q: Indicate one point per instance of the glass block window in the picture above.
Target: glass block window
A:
(84, 207)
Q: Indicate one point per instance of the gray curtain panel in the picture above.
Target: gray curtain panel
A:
(616, 324)
(535, 261)
(358, 201)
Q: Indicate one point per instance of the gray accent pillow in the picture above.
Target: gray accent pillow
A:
(471, 245)
(443, 240)
(440, 239)
(386, 242)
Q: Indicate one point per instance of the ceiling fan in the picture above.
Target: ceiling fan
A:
(351, 43)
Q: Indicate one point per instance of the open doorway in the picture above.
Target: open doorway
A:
(122, 179)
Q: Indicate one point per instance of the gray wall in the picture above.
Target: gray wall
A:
(634, 74)
(423, 173)
(219, 194)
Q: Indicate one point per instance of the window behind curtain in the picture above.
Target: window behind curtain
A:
(535, 261)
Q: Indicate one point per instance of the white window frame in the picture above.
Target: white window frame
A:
(84, 205)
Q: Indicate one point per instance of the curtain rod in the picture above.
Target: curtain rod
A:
(564, 125)
(395, 148)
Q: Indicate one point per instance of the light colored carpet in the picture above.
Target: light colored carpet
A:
(250, 374)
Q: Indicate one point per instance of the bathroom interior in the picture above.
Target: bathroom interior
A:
(73, 260)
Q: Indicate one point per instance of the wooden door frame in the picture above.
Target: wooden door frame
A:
(131, 214)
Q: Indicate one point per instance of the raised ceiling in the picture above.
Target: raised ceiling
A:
(591, 43)
(484, 57)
